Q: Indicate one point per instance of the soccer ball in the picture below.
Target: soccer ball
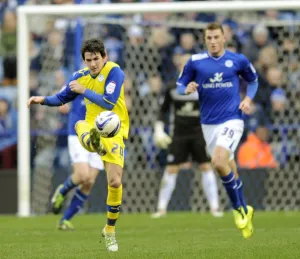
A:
(108, 124)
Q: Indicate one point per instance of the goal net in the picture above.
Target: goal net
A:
(150, 47)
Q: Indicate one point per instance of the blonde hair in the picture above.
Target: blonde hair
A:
(213, 26)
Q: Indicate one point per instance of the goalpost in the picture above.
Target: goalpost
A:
(24, 13)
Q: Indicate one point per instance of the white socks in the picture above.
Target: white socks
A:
(167, 187)
(210, 187)
(168, 183)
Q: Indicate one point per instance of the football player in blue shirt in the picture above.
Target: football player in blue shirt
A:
(215, 75)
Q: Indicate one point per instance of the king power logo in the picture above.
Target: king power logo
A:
(218, 78)
(216, 82)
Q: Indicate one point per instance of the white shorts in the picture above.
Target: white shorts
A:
(227, 135)
(79, 154)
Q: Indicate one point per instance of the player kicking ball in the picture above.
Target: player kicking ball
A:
(214, 74)
(102, 85)
(187, 142)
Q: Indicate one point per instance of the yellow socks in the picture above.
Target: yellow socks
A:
(114, 201)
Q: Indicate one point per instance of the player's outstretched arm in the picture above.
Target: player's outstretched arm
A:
(52, 100)
(67, 94)
(35, 100)
(58, 99)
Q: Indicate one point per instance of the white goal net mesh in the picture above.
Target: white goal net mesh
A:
(149, 48)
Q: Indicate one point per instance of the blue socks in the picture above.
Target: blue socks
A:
(231, 189)
(68, 186)
(241, 194)
(76, 204)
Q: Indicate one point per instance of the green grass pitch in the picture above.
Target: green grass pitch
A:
(180, 235)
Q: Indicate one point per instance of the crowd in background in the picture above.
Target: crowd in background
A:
(152, 57)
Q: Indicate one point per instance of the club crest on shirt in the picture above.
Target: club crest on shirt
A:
(101, 78)
(228, 63)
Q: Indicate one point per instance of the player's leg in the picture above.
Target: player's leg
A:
(177, 154)
(113, 162)
(167, 186)
(89, 137)
(79, 159)
(221, 142)
(87, 180)
(248, 230)
(230, 134)
(114, 201)
(239, 183)
(209, 181)
(220, 160)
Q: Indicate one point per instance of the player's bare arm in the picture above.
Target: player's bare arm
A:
(245, 105)
(35, 100)
(76, 87)
(191, 87)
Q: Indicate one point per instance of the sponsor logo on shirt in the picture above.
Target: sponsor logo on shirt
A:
(110, 88)
(216, 82)
(217, 78)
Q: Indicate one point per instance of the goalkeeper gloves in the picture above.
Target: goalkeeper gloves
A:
(161, 138)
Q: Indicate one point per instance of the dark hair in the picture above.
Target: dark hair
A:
(93, 46)
(213, 26)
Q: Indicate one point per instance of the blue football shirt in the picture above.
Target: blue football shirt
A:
(218, 79)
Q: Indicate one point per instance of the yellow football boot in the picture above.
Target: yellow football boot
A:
(249, 230)
(240, 218)
(57, 200)
(65, 225)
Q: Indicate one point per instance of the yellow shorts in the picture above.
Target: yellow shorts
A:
(115, 146)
